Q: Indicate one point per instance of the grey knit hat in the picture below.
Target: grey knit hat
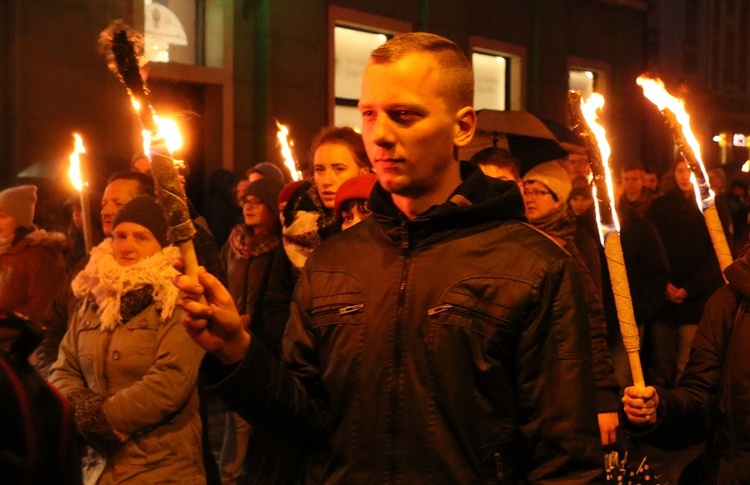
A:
(19, 202)
(267, 190)
(144, 210)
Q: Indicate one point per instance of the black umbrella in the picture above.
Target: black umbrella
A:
(522, 133)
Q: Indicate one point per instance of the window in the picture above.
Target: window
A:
(587, 76)
(583, 81)
(490, 81)
(185, 32)
(498, 74)
(352, 49)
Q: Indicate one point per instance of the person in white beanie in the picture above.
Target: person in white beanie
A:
(546, 188)
(32, 267)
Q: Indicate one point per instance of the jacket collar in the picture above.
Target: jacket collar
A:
(478, 202)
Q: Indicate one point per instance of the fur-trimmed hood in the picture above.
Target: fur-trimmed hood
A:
(37, 238)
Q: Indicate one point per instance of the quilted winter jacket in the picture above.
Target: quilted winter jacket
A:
(451, 348)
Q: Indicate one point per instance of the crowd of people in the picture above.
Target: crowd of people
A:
(400, 316)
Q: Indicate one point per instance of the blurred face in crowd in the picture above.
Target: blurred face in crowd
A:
(577, 165)
(333, 164)
(8, 225)
(650, 181)
(580, 204)
(682, 176)
(117, 194)
(77, 217)
(132, 242)
(411, 129)
(256, 214)
(538, 199)
(632, 183)
(353, 216)
(496, 172)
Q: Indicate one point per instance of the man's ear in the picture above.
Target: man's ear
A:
(466, 124)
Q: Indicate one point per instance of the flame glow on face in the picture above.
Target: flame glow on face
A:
(286, 151)
(74, 172)
(655, 92)
(589, 109)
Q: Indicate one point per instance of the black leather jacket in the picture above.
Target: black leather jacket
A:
(451, 348)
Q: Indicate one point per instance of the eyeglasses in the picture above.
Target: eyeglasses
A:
(533, 194)
(252, 203)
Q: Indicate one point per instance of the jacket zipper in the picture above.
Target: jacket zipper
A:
(398, 350)
(345, 310)
(460, 310)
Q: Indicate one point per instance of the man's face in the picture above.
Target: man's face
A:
(132, 242)
(632, 183)
(409, 129)
(117, 194)
(650, 181)
(682, 176)
(577, 165)
(496, 172)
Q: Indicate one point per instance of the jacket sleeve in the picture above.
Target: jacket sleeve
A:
(556, 383)
(274, 312)
(684, 412)
(286, 398)
(164, 389)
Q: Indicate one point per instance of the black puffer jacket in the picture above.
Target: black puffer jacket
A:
(451, 348)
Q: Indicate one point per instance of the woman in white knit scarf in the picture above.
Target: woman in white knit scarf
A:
(127, 365)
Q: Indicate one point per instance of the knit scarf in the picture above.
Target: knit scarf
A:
(108, 282)
(559, 222)
(245, 244)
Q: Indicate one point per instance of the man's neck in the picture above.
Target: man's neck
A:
(633, 197)
(411, 207)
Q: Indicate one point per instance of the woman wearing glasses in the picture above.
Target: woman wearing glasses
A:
(546, 188)
(248, 254)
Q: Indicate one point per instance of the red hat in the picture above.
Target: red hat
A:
(355, 188)
(288, 190)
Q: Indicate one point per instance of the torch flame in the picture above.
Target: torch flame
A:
(655, 91)
(286, 151)
(74, 172)
(589, 109)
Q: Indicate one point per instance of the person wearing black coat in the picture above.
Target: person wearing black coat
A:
(694, 276)
(712, 399)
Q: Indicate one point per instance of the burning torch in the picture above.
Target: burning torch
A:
(123, 47)
(678, 120)
(76, 172)
(585, 123)
(286, 151)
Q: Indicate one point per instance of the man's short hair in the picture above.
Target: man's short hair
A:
(145, 182)
(342, 136)
(498, 157)
(633, 165)
(458, 85)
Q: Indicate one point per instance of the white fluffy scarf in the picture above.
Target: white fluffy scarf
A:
(107, 281)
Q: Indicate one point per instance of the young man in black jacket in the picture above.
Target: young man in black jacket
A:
(442, 340)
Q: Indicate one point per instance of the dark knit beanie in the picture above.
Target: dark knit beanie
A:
(144, 211)
(267, 190)
(268, 169)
